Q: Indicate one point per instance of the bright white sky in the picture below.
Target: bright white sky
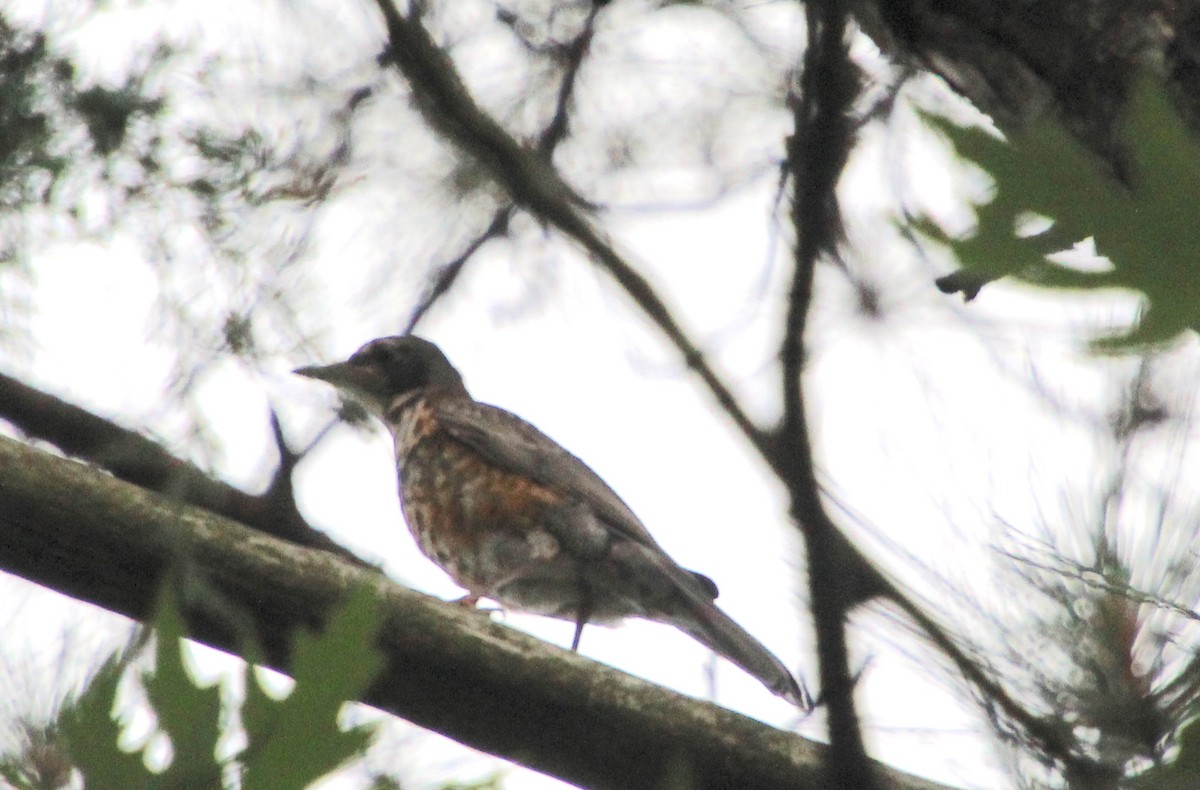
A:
(896, 409)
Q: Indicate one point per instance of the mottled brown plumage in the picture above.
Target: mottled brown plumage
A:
(514, 517)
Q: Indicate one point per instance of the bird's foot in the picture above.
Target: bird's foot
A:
(471, 601)
(468, 601)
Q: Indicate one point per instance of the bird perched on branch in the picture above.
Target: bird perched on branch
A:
(514, 517)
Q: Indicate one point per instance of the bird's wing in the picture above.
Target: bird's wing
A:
(510, 443)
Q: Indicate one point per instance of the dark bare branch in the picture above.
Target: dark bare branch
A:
(572, 56)
(136, 459)
(823, 134)
(447, 274)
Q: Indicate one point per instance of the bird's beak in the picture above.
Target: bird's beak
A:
(360, 381)
(337, 374)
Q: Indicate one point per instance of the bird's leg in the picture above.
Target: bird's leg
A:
(582, 616)
(471, 601)
(579, 624)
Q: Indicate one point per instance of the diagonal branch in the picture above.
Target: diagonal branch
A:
(447, 274)
(447, 106)
(79, 531)
(536, 186)
(134, 458)
(572, 55)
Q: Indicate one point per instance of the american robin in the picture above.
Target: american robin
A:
(515, 518)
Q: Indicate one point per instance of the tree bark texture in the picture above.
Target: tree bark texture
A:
(78, 530)
(1016, 58)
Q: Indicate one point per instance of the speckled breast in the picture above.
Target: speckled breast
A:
(462, 510)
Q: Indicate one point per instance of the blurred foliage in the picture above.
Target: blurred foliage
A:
(1104, 643)
(1180, 773)
(241, 163)
(290, 742)
(1104, 694)
(328, 669)
(73, 157)
(58, 135)
(1146, 227)
(90, 734)
(151, 146)
(27, 166)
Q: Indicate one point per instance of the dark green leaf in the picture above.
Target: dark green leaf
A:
(189, 714)
(91, 732)
(295, 741)
(1181, 773)
(1149, 230)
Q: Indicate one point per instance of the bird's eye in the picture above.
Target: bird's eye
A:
(371, 355)
(401, 366)
(394, 358)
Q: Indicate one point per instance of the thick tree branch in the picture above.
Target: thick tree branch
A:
(1014, 60)
(77, 530)
(138, 460)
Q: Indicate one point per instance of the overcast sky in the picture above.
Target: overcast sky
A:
(925, 422)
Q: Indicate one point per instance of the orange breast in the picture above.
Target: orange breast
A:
(456, 502)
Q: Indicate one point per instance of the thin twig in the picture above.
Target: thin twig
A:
(572, 54)
(447, 274)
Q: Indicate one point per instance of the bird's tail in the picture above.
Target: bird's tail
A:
(707, 624)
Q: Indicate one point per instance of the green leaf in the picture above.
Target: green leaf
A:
(294, 742)
(189, 714)
(1149, 230)
(92, 733)
(1182, 773)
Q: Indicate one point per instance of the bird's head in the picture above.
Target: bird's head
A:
(386, 368)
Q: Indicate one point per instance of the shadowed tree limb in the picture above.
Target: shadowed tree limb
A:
(823, 135)
(75, 529)
(132, 457)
